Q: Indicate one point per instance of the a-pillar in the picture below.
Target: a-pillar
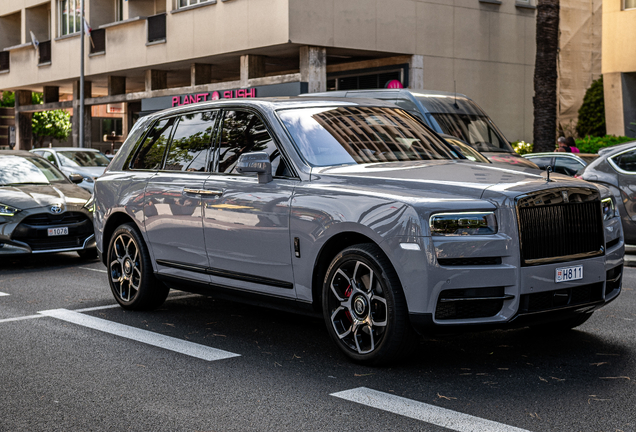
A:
(200, 74)
(156, 80)
(23, 127)
(313, 68)
(252, 66)
(75, 133)
(416, 72)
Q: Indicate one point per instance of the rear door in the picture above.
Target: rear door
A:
(173, 212)
(626, 164)
(246, 223)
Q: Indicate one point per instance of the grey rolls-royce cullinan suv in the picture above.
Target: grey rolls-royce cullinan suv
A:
(355, 210)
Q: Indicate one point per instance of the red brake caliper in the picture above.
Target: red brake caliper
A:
(347, 294)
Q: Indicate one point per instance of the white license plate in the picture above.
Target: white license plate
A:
(58, 231)
(564, 274)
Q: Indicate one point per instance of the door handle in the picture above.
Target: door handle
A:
(203, 191)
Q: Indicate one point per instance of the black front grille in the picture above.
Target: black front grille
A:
(33, 230)
(560, 232)
(469, 303)
(556, 299)
(466, 261)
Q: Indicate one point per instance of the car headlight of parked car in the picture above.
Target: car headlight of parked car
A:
(90, 204)
(609, 209)
(6, 210)
(469, 223)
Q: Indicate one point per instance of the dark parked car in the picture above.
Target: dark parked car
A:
(447, 113)
(562, 163)
(354, 210)
(41, 210)
(615, 168)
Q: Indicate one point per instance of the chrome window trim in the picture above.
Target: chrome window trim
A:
(613, 164)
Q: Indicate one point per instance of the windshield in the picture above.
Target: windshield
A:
(17, 170)
(82, 159)
(464, 119)
(359, 135)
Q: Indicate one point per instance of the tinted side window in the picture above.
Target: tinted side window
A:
(626, 161)
(242, 132)
(190, 142)
(567, 166)
(542, 162)
(150, 154)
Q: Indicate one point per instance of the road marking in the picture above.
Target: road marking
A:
(438, 416)
(184, 347)
(3, 294)
(92, 269)
(20, 318)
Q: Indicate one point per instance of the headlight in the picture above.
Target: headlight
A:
(90, 204)
(6, 210)
(469, 223)
(609, 209)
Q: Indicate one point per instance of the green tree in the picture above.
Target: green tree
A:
(54, 124)
(7, 100)
(592, 112)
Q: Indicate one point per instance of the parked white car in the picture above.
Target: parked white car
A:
(87, 162)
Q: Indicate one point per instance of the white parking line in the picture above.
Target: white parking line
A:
(443, 417)
(26, 317)
(3, 294)
(92, 269)
(184, 347)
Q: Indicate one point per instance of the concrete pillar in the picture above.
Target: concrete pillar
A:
(116, 85)
(156, 80)
(613, 95)
(200, 74)
(252, 66)
(51, 94)
(416, 72)
(23, 127)
(88, 115)
(313, 68)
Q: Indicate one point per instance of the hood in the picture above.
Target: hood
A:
(439, 179)
(32, 196)
(85, 171)
(512, 159)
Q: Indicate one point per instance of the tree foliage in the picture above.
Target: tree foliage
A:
(592, 112)
(53, 124)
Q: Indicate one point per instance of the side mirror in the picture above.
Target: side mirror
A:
(256, 162)
(76, 178)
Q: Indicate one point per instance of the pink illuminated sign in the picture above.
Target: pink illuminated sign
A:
(215, 95)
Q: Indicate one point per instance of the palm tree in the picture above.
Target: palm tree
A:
(546, 75)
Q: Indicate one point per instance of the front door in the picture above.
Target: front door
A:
(246, 224)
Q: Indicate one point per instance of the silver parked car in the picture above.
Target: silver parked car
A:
(562, 163)
(87, 162)
(354, 210)
(615, 169)
(41, 210)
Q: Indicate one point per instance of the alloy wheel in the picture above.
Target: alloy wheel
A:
(125, 267)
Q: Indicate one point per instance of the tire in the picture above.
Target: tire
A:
(130, 274)
(88, 254)
(367, 319)
(562, 325)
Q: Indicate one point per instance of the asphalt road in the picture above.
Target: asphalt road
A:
(73, 361)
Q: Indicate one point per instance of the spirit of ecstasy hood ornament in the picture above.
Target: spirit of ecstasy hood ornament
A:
(548, 170)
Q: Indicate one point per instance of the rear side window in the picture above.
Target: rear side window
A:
(567, 166)
(626, 161)
(191, 142)
(151, 151)
(242, 132)
(542, 162)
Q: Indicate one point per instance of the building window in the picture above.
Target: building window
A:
(629, 4)
(119, 10)
(70, 17)
(185, 3)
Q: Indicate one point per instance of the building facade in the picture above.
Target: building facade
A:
(619, 66)
(145, 55)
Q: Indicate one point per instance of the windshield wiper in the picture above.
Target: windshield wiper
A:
(25, 183)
